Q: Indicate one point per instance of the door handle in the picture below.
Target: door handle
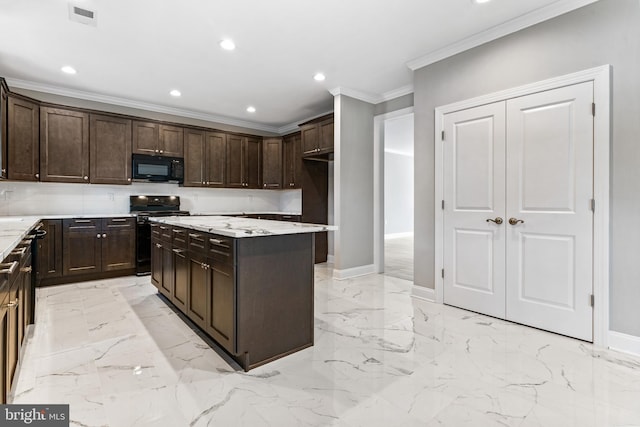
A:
(514, 221)
(497, 220)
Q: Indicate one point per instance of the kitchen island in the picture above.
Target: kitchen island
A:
(247, 283)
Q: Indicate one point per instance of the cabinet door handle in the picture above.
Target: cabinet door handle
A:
(118, 219)
(178, 251)
(104, 236)
(178, 231)
(194, 235)
(163, 228)
(98, 236)
(11, 269)
(161, 151)
(26, 269)
(128, 179)
(85, 178)
(82, 221)
(37, 175)
(158, 245)
(20, 251)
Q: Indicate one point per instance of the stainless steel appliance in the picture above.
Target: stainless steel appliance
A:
(144, 207)
(157, 168)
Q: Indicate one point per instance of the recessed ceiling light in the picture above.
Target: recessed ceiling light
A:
(68, 69)
(175, 93)
(251, 109)
(481, 1)
(319, 77)
(227, 44)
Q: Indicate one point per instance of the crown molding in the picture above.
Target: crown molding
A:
(352, 93)
(396, 93)
(123, 102)
(534, 17)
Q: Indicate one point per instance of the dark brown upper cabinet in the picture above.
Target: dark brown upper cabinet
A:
(194, 161)
(291, 161)
(205, 158)
(110, 150)
(64, 145)
(158, 140)
(4, 103)
(23, 148)
(272, 163)
(244, 157)
(317, 137)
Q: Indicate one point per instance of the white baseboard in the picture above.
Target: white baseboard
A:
(423, 293)
(624, 343)
(330, 259)
(398, 235)
(348, 273)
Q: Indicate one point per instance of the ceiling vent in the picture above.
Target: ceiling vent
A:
(83, 15)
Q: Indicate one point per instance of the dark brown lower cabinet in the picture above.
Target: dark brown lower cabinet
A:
(166, 283)
(253, 296)
(180, 278)
(4, 343)
(98, 245)
(50, 251)
(197, 292)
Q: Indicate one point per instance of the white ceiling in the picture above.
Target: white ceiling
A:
(142, 49)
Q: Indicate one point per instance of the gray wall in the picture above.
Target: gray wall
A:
(394, 104)
(353, 169)
(398, 193)
(606, 32)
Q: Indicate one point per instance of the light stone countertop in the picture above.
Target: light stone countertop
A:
(241, 227)
(244, 213)
(15, 228)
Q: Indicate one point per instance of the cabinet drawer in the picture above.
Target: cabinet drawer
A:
(220, 248)
(119, 223)
(155, 231)
(166, 234)
(180, 236)
(82, 224)
(197, 241)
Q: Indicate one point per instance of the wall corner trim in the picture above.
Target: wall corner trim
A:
(624, 343)
(426, 294)
(349, 273)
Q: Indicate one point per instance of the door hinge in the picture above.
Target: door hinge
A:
(443, 135)
(592, 300)
(443, 273)
(593, 205)
(443, 205)
(593, 109)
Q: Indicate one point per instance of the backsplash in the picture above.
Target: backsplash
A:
(41, 198)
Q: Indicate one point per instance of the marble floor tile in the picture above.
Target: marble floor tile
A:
(120, 356)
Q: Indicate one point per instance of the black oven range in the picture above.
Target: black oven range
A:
(144, 207)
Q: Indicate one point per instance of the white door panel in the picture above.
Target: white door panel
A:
(529, 159)
(474, 191)
(549, 187)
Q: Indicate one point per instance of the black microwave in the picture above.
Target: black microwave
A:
(157, 168)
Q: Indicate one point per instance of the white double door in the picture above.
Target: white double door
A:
(518, 219)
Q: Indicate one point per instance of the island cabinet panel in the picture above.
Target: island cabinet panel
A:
(221, 304)
(110, 149)
(274, 310)
(64, 145)
(166, 283)
(145, 138)
(198, 284)
(4, 345)
(49, 264)
(23, 136)
(180, 278)
(156, 262)
(272, 163)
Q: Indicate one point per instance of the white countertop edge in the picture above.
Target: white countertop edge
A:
(12, 232)
(257, 227)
